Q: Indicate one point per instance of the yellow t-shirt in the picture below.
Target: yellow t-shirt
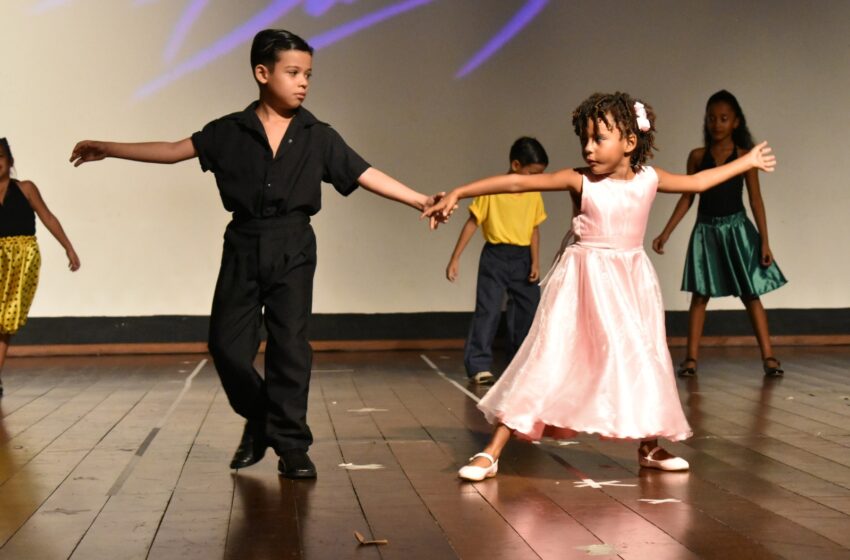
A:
(508, 218)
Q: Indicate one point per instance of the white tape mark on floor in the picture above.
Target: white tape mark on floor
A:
(439, 372)
(125, 474)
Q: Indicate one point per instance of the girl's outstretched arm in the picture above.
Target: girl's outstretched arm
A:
(150, 152)
(563, 180)
(751, 178)
(759, 157)
(50, 221)
(682, 206)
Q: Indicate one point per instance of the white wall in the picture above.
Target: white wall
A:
(149, 236)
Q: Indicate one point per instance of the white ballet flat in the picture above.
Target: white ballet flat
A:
(671, 464)
(476, 474)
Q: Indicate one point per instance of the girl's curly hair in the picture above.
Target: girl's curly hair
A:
(620, 107)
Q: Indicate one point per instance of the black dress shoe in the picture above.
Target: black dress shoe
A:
(295, 463)
(251, 449)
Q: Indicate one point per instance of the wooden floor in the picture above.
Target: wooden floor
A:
(123, 457)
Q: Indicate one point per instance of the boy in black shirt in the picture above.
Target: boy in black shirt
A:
(269, 161)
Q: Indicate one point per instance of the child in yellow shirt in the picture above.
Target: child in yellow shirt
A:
(509, 262)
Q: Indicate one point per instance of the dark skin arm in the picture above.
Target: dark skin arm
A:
(682, 206)
(751, 179)
(50, 221)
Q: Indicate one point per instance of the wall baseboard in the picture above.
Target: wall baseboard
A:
(50, 336)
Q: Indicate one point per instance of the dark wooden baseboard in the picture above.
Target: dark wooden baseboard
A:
(377, 345)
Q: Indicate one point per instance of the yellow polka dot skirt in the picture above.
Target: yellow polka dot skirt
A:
(20, 261)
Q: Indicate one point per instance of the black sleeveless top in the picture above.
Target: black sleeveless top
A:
(726, 198)
(16, 215)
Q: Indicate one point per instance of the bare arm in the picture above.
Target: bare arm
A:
(751, 179)
(150, 152)
(682, 206)
(759, 157)
(534, 273)
(563, 180)
(50, 221)
(378, 182)
(462, 241)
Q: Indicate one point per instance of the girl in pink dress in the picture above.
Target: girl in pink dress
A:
(596, 357)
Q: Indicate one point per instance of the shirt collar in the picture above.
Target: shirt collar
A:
(248, 118)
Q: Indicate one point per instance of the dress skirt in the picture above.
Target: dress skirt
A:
(595, 359)
(724, 259)
(20, 262)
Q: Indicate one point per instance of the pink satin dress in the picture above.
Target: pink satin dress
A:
(596, 358)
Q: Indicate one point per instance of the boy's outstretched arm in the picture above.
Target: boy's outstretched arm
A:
(378, 182)
(150, 152)
(465, 235)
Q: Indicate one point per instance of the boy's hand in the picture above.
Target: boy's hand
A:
(658, 244)
(451, 270)
(441, 209)
(73, 260)
(761, 157)
(534, 275)
(88, 150)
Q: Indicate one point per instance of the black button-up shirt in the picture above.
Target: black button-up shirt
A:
(255, 183)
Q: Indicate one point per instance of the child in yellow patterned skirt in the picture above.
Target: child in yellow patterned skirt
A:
(20, 260)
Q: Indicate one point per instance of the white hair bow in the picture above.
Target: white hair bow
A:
(642, 120)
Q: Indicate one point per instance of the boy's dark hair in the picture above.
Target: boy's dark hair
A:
(740, 136)
(5, 144)
(621, 107)
(269, 42)
(527, 150)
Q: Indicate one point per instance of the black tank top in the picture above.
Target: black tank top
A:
(726, 198)
(16, 215)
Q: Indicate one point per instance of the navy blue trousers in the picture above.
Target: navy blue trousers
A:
(501, 269)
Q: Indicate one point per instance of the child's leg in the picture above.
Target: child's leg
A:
(523, 298)
(696, 322)
(4, 348)
(489, 292)
(288, 306)
(500, 437)
(234, 336)
(758, 318)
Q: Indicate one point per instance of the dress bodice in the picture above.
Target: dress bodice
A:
(614, 213)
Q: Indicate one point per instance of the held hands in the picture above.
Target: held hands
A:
(658, 244)
(88, 150)
(73, 260)
(434, 221)
(762, 158)
(441, 209)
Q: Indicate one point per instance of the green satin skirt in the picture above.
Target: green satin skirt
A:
(724, 257)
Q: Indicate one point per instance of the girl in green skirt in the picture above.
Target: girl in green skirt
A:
(727, 255)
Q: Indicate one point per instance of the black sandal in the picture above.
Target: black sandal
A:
(772, 371)
(689, 371)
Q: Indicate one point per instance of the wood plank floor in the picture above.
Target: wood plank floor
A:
(126, 457)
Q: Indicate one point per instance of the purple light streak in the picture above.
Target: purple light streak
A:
(517, 24)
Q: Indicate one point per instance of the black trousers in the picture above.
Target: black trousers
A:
(266, 277)
(502, 268)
